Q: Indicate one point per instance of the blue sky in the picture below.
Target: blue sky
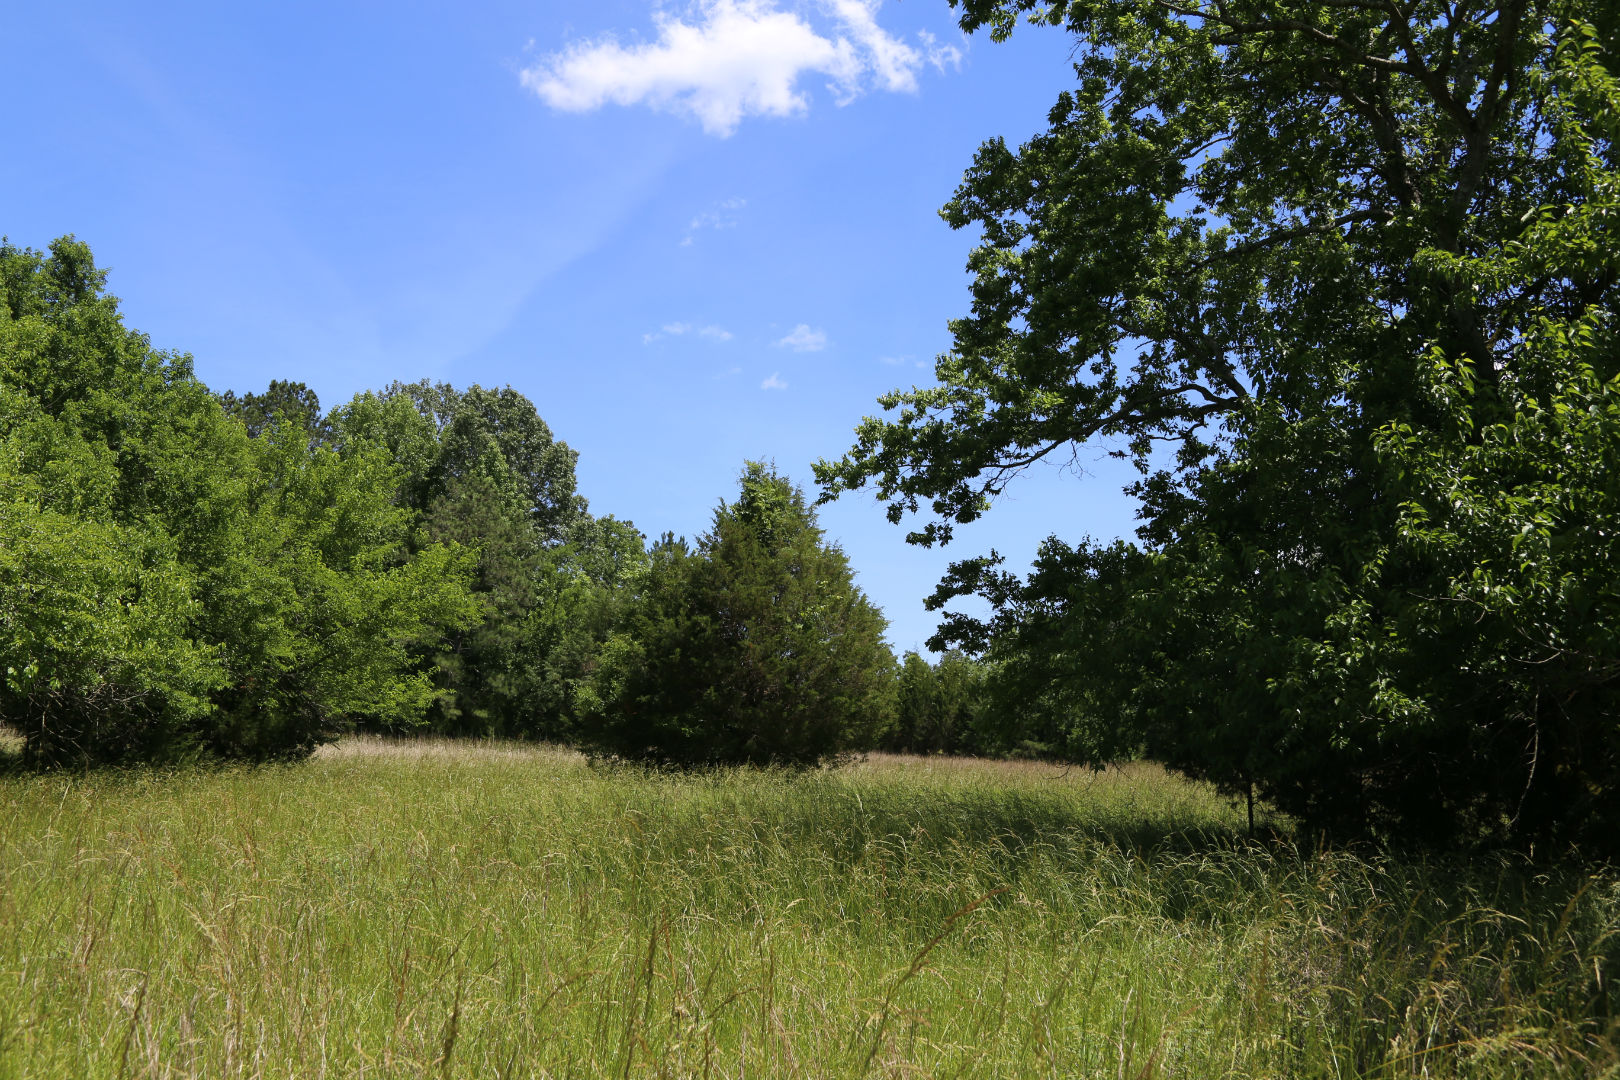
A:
(691, 233)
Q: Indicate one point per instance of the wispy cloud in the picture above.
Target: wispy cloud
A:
(803, 339)
(723, 215)
(940, 56)
(737, 58)
(889, 59)
(681, 329)
(775, 382)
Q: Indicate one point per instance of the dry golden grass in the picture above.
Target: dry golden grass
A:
(429, 747)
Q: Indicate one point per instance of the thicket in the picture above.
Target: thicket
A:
(481, 470)
(945, 708)
(171, 586)
(246, 576)
(1342, 280)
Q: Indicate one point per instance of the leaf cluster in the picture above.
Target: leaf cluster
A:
(169, 585)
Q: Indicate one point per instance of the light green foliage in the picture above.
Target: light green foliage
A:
(484, 472)
(95, 635)
(1353, 266)
(320, 611)
(169, 584)
(430, 909)
(758, 647)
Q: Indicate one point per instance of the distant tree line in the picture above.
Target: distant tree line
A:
(187, 575)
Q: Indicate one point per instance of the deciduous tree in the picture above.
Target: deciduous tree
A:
(1300, 261)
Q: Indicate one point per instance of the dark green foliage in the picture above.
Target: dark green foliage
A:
(168, 585)
(1354, 266)
(941, 709)
(496, 434)
(480, 667)
(282, 402)
(581, 592)
(757, 647)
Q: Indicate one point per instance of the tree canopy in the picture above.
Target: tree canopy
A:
(170, 585)
(1339, 277)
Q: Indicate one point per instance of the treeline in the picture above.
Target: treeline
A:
(188, 575)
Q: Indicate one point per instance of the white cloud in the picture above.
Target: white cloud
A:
(681, 329)
(774, 382)
(894, 361)
(893, 61)
(723, 215)
(734, 59)
(742, 58)
(939, 55)
(803, 339)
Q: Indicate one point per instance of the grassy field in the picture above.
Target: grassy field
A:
(433, 909)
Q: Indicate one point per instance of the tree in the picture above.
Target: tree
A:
(499, 435)
(282, 402)
(170, 586)
(757, 647)
(582, 590)
(940, 709)
(484, 472)
(1253, 252)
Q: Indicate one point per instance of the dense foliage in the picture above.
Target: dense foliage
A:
(943, 708)
(247, 576)
(170, 585)
(481, 469)
(756, 647)
(1341, 279)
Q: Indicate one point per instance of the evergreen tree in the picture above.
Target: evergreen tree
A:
(757, 647)
(941, 708)
(282, 402)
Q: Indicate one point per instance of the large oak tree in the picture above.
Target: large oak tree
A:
(1340, 277)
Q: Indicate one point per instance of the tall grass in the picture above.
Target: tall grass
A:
(441, 910)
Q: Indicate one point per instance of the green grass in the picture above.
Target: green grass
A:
(440, 910)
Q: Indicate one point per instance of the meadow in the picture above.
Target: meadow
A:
(433, 909)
